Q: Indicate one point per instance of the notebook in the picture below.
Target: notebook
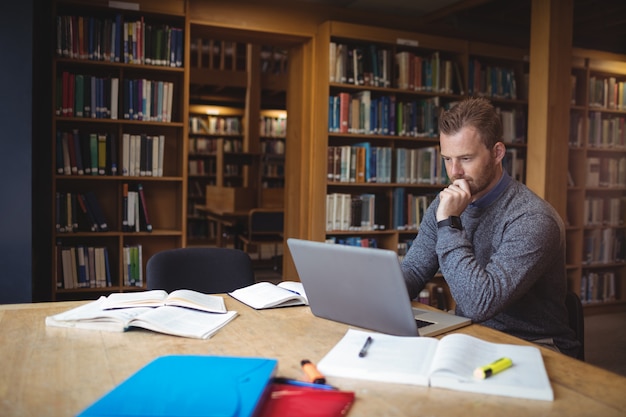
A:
(190, 386)
(364, 287)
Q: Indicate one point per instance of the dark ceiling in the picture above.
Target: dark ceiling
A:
(598, 24)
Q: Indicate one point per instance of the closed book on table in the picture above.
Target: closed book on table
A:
(190, 385)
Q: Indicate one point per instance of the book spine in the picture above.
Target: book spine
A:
(147, 226)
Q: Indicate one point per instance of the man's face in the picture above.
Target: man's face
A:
(466, 157)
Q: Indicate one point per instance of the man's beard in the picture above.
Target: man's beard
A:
(482, 181)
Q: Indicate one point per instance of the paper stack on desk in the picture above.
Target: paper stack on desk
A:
(446, 363)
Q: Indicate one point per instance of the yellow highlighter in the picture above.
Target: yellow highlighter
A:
(493, 368)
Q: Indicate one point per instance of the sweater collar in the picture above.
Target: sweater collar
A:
(495, 192)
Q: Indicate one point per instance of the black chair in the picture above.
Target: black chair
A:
(265, 227)
(576, 319)
(207, 270)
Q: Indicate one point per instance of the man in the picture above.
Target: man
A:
(500, 248)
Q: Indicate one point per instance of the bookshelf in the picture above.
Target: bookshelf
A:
(240, 85)
(408, 140)
(117, 133)
(596, 194)
(381, 205)
(391, 204)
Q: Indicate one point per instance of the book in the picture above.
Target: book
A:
(157, 298)
(286, 399)
(448, 363)
(190, 385)
(267, 295)
(172, 320)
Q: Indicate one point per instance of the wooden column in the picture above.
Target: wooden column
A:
(548, 102)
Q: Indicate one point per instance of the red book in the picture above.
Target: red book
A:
(344, 112)
(301, 401)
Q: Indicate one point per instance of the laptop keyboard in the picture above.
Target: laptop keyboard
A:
(422, 323)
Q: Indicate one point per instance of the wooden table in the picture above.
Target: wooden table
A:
(58, 372)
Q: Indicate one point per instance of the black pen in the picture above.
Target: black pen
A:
(365, 347)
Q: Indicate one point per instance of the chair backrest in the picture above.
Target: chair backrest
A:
(265, 221)
(576, 319)
(207, 270)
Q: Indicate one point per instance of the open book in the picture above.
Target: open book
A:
(267, 295)
(158, 298)
(446, 363)
(177, 321)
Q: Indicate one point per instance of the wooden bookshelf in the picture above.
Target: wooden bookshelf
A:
(112, 121)
(399, 193)
(234, 78)
(596, 195)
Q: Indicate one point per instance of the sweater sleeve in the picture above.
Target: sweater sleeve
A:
(516, 253)
(420, 264)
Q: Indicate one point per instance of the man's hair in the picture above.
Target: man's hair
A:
(477, 113)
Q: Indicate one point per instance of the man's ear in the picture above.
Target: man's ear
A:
(499, 150)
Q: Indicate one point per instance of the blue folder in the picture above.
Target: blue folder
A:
(189, 385)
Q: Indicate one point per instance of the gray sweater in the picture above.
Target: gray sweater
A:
(505, 269)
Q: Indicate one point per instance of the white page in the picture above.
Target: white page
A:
(266, 295)
(183, 322)
(395, 359)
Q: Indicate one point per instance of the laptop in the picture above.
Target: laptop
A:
(364, 287)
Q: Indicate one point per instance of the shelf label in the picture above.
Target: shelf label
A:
(408, 42)
(123, 5)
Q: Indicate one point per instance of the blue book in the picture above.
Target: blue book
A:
(190, 385)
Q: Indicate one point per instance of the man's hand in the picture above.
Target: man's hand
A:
(454, 199)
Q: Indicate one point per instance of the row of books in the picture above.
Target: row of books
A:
(428, 73)
(135, 216)
(409, 209)
(515, 164)
(365, 163)
(90, 96)
(132, 271)
(86, 153)
(604, 131)
(606, 171)
(359, 163)
(79, 212)
(403, 247)
(377, 66)
(351, 212)
(201, 167)
(604, 246)
(597, 287)
(82, 267)
(81, 153)
(348, 212)
(420, 166)
(273, 169)
(607, 93)
(216, 125)
(273, 127)
(361, 241)
(513, 125)
(273, 146)
(208, 146)
(117, 40)
(360, 65)
(82, 212)
(491, 81)
(604, 211)
(364, 113)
